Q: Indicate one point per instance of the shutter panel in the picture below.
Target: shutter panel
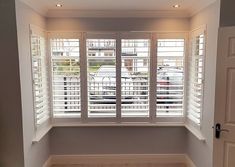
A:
(170, 77)
(101, 59)
(135, 77)
(196, 77)
(65, 62)
(39, 74)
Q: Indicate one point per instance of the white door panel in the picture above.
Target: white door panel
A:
(224, 146)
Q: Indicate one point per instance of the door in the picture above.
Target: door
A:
(224, 143)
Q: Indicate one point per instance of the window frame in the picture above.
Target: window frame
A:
(174, 35)
(41, 129)
(152, 120)
(64, 35)
(136, 35)
(98, 35)
(202, 30)
(39, 32)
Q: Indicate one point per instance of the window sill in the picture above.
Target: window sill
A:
(112, 122)
(97, 124)
(197, 133)
(41, 132)
(46, 128)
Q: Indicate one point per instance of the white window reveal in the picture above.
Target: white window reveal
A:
(65, 63)
(101, 83)
(135, 58)
(170, 77)
(196, 77)
(39, 76)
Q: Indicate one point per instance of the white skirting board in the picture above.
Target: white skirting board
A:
(48, 163)
(161, 159)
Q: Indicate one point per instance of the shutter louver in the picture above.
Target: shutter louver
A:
(196, 76)
(40, 80)
(65, 62)
(170, 77)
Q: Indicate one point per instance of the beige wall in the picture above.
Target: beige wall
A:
(201, 152)
(11, 134)
(118, 140)
(35, 154)
(123, 24)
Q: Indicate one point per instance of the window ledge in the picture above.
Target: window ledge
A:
(135, 124)
(197, 133)
(40, 133)
(45, 129)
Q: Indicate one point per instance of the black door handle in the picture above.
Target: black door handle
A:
(218, 130)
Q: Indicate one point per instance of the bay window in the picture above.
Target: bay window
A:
(124, 77)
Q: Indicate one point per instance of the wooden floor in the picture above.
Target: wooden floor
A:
(123, 165)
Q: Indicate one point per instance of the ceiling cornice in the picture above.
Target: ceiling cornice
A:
(116, 14)
(201, 8)
(42, 9)
(36, 6)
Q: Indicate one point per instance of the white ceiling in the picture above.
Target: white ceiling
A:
(188, 7)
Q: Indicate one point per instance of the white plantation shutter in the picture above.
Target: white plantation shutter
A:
(65, 64)
(39, 74)
(101, 83)
(135, 77)
(196, 77)
(170, 77)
